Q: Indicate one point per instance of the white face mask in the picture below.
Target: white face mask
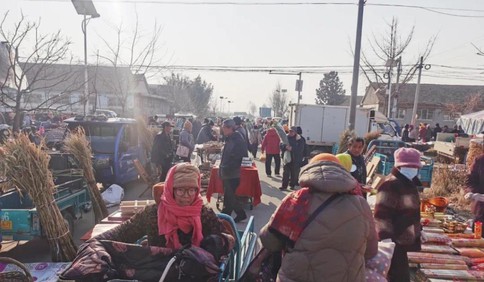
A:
(409, 172)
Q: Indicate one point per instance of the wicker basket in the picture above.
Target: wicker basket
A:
(15, 276)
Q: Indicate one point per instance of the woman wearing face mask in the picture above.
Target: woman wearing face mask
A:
(397, 211)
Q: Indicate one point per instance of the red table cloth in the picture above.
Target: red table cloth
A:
(249, 184)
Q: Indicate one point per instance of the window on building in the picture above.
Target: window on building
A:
(425, 114)
(401, 113)
(75, 98)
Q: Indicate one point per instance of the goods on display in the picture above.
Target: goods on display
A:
(77, 144)
(26, 165)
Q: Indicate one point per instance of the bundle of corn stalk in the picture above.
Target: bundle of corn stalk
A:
(27, 167)
(77, 144)
(344, 138)
(476, 148)
(147, 136)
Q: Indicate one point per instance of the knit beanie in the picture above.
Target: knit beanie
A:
(408, 157)
(345, 161)
(186, 175)
(325, 157)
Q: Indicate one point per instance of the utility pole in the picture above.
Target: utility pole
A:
(356, 65)
(397, 87)
(417, 90)
(299, 88)
(389, 89)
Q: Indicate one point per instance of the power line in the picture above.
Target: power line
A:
(437, 10)
(212, 3)
(429, 9)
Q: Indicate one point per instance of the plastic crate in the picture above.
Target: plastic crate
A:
(335, 148)
(386, 164)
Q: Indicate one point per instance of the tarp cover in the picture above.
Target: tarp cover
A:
(472, 123)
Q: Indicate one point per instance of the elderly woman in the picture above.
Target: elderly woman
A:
(397, 211)
(186, 139)
(179, 218)
(334, 245)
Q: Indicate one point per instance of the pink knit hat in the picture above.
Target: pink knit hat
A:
(407, 157)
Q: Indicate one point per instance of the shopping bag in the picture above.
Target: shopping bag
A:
(182, 151)
(286, 157)
(262, 157)
(263, 267)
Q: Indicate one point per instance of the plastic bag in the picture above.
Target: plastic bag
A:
(113, 195)
(286, 158)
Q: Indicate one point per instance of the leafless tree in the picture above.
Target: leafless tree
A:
(252, 108)
(386, 49)
(278, 101)
(137, 50)
(471, 104)
(28, 68)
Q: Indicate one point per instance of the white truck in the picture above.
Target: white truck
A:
(453, 147)
(322, 125)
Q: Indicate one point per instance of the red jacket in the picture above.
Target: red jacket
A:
(271, 142)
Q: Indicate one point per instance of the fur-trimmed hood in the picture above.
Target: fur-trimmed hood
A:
(326, 177)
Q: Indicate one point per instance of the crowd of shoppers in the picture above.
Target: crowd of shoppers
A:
(329, 192)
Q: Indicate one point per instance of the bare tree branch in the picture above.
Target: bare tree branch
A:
(36, 73)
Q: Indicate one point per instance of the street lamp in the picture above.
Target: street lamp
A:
(299, 83)
(229, 102)
(221, 103)
(85, 8)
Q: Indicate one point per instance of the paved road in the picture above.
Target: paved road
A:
(38, 250)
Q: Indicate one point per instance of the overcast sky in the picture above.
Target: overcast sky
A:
(276, 35)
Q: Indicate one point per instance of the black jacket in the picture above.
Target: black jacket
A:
(205, 135)
(235, 149)
(360, 173)
(162, 148)
(298, 145)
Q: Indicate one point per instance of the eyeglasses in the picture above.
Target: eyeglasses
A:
(181, 191)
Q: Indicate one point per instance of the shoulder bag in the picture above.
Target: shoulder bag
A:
(182, 151)
(265, 265)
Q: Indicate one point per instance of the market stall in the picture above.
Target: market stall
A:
(249, 184)
(450, 250)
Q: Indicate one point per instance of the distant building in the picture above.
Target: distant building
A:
(432, 103)
(61, 87)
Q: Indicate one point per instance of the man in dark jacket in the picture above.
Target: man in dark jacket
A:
(162, 151)
(205, 135)
(234, 150)
(358, 170)
(290, 175)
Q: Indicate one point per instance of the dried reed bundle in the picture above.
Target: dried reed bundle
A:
(476, 148)
(282, 134)
(449, 181)
(27, 167)
(343, 140)
(147, 136)
(77, 144)
(370, 136)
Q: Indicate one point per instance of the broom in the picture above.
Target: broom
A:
(77, 144)
(27, 167)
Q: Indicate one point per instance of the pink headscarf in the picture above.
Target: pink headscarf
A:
(172, 217)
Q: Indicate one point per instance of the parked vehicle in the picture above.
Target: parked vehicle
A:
(452, 146)
(107, 113)
(115, 144)
(18, 215)
(322, 125)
